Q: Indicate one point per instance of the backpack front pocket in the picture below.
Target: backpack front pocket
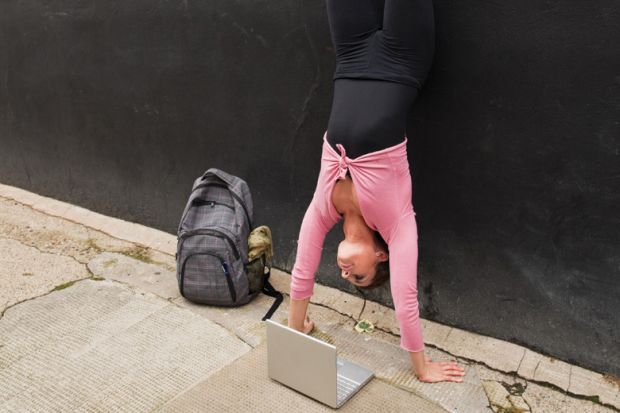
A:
(207, 275)
(210, 232)
(209, 211)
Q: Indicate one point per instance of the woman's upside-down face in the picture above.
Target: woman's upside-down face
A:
(358, 261)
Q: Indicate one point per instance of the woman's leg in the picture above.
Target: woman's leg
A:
(409, 26)
(370, 114)
(351, 20)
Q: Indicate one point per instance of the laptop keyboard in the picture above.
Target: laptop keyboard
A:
(345, 387)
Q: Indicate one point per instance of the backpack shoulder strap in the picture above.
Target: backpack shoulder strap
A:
(272, 292)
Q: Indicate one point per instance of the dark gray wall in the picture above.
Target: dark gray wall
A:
(514, 142)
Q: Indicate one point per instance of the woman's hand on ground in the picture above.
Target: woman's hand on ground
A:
(441, 371)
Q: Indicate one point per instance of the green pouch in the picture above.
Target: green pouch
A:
(260, 257)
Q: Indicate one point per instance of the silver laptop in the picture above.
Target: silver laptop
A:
(311, 366)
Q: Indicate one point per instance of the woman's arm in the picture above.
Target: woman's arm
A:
(314, 228)
(403, 248)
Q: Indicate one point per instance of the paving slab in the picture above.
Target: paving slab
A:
(543, 400)
(501, 400)
(245, 321)
(54, 235)
(244, 386)
(100, 346)
(27, 272)
(143, 275)
(150, 237)
(498, 354)
(585, 383)
(539, 398)
(65, 237)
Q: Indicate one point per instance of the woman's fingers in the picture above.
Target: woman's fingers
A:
(452, 371)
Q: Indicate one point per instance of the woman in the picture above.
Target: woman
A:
(384, 50)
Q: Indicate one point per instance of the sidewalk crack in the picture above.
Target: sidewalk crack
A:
(41, 250)
(39, 296)
(536, 368)
(521, 361)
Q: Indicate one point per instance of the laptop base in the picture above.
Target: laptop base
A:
(350, 378)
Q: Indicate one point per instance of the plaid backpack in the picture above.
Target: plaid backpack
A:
(212, 244)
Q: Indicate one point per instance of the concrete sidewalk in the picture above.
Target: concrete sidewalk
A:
(92, 320)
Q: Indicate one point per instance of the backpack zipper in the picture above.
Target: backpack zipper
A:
(231, 287)
(208, 231)
(199, 201)
(237, 197)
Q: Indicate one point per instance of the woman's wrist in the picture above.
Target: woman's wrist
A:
(297, 313)
(418, 362)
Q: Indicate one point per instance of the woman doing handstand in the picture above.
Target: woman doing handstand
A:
(384, 51)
